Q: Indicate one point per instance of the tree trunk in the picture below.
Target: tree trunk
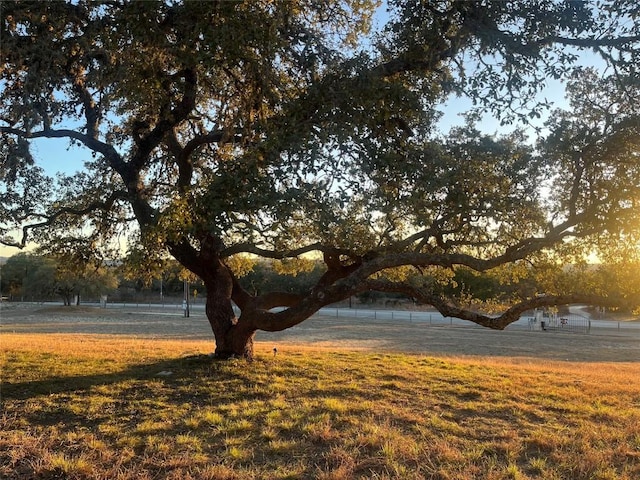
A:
(233, 338)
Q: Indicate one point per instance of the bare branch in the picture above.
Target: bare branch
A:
(110, 153)
(589, 42)
(105, 205)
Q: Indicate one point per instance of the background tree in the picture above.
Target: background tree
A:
(26, 276)
(290, 277)
(283, 129)
(39, 277)
(74, 281)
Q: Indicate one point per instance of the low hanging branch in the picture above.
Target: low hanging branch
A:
(498, 322)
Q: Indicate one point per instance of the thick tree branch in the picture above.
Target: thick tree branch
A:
(356, 278)
(185, 167)
(146, 144)
(129, 174)
(215, 136)
(342, 281)
(499, 322)
(91, 113)
(110, 153)
(182, 154)
(278, 254)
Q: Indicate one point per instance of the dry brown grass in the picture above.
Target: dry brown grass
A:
(94, 407)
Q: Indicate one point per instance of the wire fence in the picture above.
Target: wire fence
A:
(565, 323)
(569, 323)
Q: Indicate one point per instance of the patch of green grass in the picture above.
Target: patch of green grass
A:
(94, 407)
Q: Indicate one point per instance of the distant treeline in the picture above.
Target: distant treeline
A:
(30, 277)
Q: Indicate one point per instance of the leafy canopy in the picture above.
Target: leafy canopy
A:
(279, 128)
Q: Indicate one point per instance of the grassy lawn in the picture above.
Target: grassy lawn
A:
(77, 406)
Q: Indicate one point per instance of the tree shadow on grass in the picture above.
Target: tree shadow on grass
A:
(173, 371)
(161, 418)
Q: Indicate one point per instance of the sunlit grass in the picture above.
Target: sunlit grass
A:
(77, 406)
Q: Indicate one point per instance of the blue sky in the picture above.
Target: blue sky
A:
(55, 155)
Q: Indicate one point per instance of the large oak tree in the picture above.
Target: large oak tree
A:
(288, 128)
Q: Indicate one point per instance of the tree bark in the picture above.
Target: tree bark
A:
(233, 335)
(234, 338)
